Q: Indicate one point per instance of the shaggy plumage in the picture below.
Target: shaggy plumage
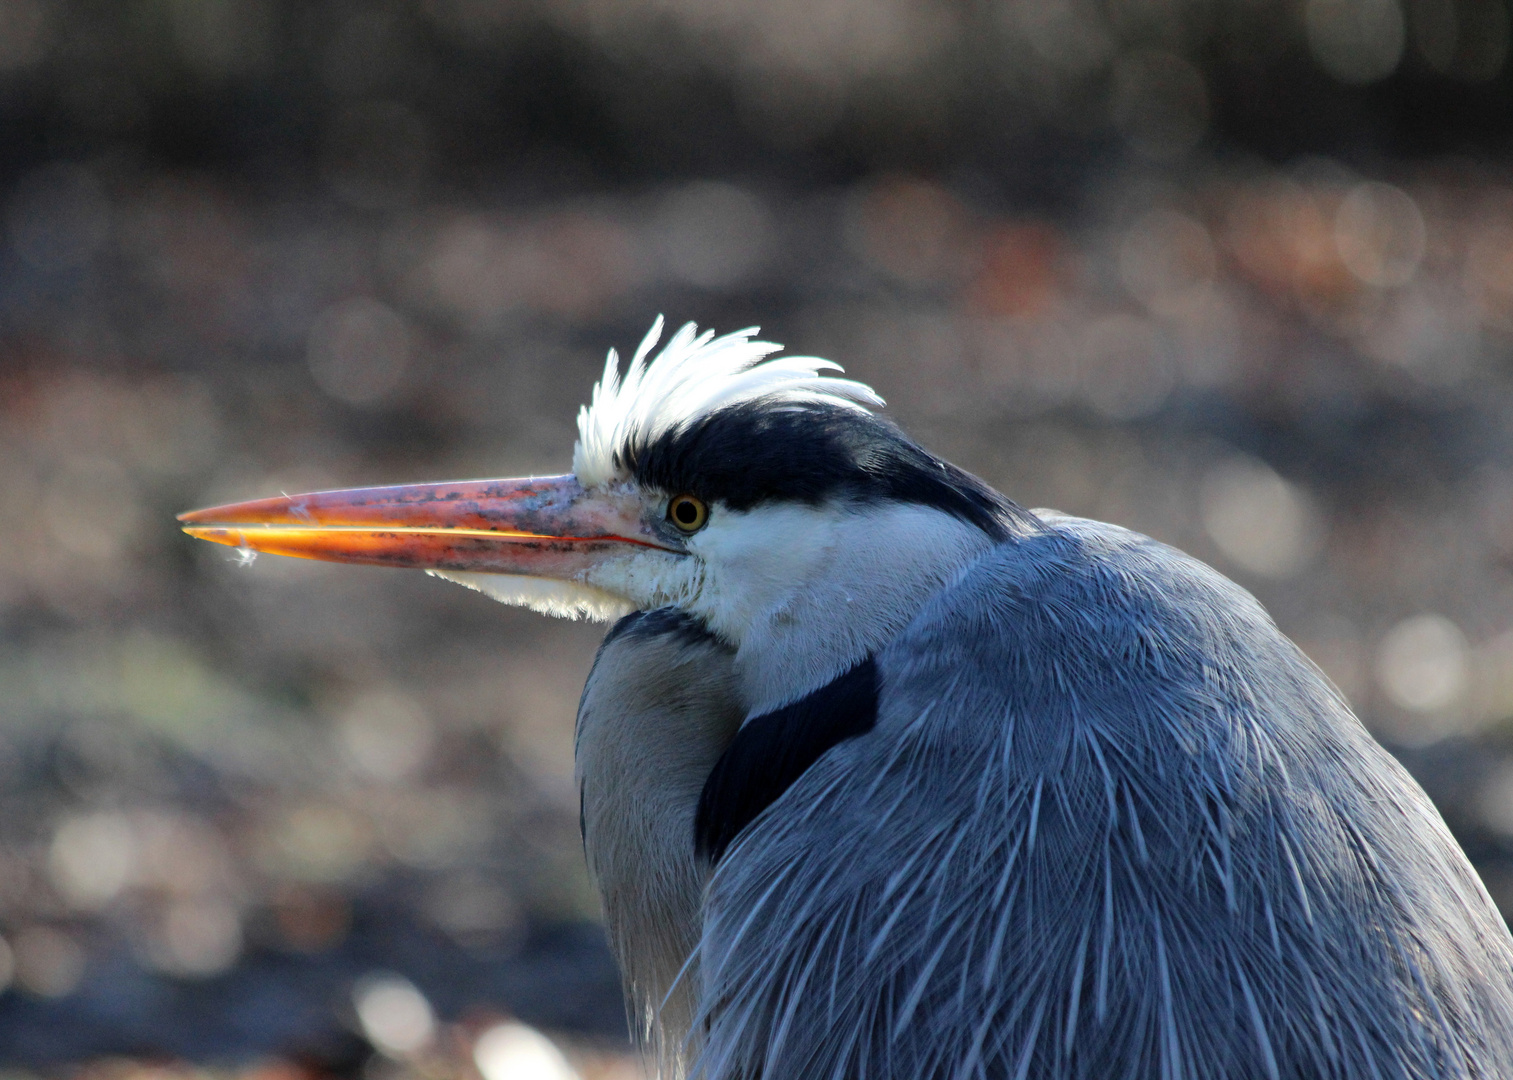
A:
(1110, 824)
(888, 778)
(1106, 821)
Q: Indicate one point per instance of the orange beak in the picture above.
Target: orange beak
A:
(539, 526)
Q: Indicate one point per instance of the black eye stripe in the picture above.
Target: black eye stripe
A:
(759, 452)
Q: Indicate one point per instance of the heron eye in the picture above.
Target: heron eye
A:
(687, 513)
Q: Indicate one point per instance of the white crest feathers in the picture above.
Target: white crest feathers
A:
(694, 375)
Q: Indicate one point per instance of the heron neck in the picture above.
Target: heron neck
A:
(853, 593)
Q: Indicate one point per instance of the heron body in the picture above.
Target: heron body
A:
(885, 777)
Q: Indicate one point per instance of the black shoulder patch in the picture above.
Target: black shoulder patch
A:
(655, 623)
(773, 750)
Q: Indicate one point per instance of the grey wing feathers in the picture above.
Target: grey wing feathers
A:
(1110, 824)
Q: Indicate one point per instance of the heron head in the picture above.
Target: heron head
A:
(743, 487)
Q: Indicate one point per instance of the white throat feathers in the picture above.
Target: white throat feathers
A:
(803, 593)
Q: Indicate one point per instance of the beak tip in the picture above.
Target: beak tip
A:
(198, 517)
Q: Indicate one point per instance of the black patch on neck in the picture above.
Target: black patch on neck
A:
(773, 750)
(811, 452)
(656, 623)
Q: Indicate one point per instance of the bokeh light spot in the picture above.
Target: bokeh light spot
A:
(1380, 234)
(714, 235)
(1024, 271)
(1126, 367)
(92, 509)
(1071, 35)
(1494, 799)
(1260, 522)
(910, 229)
(198, 938)
(49, 963)
(92, 859)
(1167, 262)
(514, 1051)
(1464, 39)
(385, 734)
(1355, 41)
(358, 351)
(1423, 664)
(394, 1014)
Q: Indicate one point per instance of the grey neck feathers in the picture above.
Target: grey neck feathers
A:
(658, 710)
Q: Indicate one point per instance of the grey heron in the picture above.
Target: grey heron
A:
(885, 776)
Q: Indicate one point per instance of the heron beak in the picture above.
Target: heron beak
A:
(538, 526)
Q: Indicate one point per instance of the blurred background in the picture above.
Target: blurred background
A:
(1234, 273)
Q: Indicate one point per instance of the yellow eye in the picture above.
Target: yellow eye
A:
(687, 513)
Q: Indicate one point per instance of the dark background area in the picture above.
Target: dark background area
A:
(1234, 273)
